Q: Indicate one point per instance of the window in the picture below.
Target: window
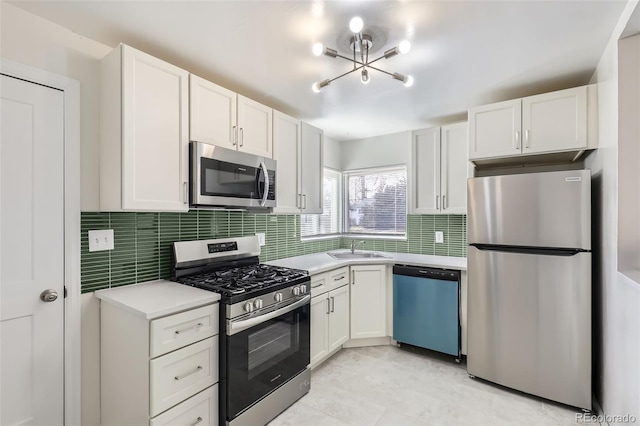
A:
(377, 202)
(327, 223)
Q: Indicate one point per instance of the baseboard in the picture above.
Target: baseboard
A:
(372, 341)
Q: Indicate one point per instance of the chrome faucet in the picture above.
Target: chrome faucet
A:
(355, 245)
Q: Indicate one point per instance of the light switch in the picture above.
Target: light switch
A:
(261, 238)
(439, 237)
(100, 239)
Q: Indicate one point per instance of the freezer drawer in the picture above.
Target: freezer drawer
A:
(530, 323)
(536, 209)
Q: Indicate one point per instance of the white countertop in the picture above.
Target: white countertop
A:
(320, 262)
(155, 299)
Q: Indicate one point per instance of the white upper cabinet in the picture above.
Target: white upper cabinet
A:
(212, 113)
(144, 134)
(286, 151)
(311, 167)
(556, 122)
(254, 127)
(224, 118)
(440, 170)
(494, 130)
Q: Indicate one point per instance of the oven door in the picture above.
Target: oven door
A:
(224, 177)
(261, 357)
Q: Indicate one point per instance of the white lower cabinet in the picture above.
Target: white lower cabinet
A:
(368, 301)
(329, 313)
(161, 370)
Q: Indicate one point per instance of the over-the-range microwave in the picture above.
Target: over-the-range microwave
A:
(225, 178)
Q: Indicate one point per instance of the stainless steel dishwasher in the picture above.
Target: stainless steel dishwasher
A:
(426, 308)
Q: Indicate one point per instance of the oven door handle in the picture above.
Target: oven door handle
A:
(266, 183)
(238, 326)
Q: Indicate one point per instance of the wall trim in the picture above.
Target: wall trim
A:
(72, 308)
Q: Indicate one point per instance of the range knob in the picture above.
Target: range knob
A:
(296, 291)
(248, 307)
(303, 289)
(278, 297)
(257, 304)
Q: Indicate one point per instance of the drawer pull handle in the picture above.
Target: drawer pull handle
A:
(189, 373)
(319, 285)
(198, 420)
(195, 327)
(339, 278)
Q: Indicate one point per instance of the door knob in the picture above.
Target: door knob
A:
(49, 295)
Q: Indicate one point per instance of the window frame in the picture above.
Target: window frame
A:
(345, 202)
(340, 219)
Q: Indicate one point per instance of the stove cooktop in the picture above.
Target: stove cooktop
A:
(241, 283)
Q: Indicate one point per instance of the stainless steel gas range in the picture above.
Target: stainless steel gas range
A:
(265, 313)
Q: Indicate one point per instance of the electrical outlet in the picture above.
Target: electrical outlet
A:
(100, 240)
(439, 237)
(261, 238)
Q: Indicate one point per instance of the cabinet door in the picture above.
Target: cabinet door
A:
(212, 113)
(338, 317)
(155, 133)
(286, 151)
(494, 130)
(368, 301)
(254, 127)
(311, 165)
(555, 121)
(453, 184)
(319, 329)
(426, 171)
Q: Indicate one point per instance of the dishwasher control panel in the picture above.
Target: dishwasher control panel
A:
(433, 273)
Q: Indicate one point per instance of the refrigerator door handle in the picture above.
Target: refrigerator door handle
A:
(548, 251)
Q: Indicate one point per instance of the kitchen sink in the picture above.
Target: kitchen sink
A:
(358, 255)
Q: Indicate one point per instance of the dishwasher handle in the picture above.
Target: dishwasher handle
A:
(426, 272)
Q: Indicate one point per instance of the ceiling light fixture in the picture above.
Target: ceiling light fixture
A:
(361, 43)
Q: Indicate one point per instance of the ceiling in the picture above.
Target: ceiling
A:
(464, 53)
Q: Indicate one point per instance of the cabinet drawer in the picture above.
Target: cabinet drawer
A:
(338, 278)
(175, 331)
(199, 410)
(319, 284)
(176, 376)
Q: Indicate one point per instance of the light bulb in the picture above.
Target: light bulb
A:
(315, 87)
(365, 79)
(356, 24)
(404, 46)
(317, 49)
(408, 82)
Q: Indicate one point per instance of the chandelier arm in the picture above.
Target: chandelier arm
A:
(378, 69)
(346, 73)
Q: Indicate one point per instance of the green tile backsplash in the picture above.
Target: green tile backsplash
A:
(142, 249)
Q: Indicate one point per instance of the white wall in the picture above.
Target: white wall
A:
(616, 298)
(332, 153)
(31, 40)
(378, 151)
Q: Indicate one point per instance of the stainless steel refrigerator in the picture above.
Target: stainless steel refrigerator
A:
(529, 278)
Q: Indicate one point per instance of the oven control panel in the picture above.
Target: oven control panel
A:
(222, 247)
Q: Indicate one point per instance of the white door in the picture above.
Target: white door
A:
(495, 130)
(255, 127)
(338, 317)
(368, 301)
(555, 121)
(426, 171)
(32, 253)
(319, 334)
(311, 169)
(212, 113)
(454, 169)
(286, 151)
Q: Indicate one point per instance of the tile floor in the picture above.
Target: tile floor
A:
(386, 385)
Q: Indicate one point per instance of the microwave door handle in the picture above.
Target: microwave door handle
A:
(266, 184)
